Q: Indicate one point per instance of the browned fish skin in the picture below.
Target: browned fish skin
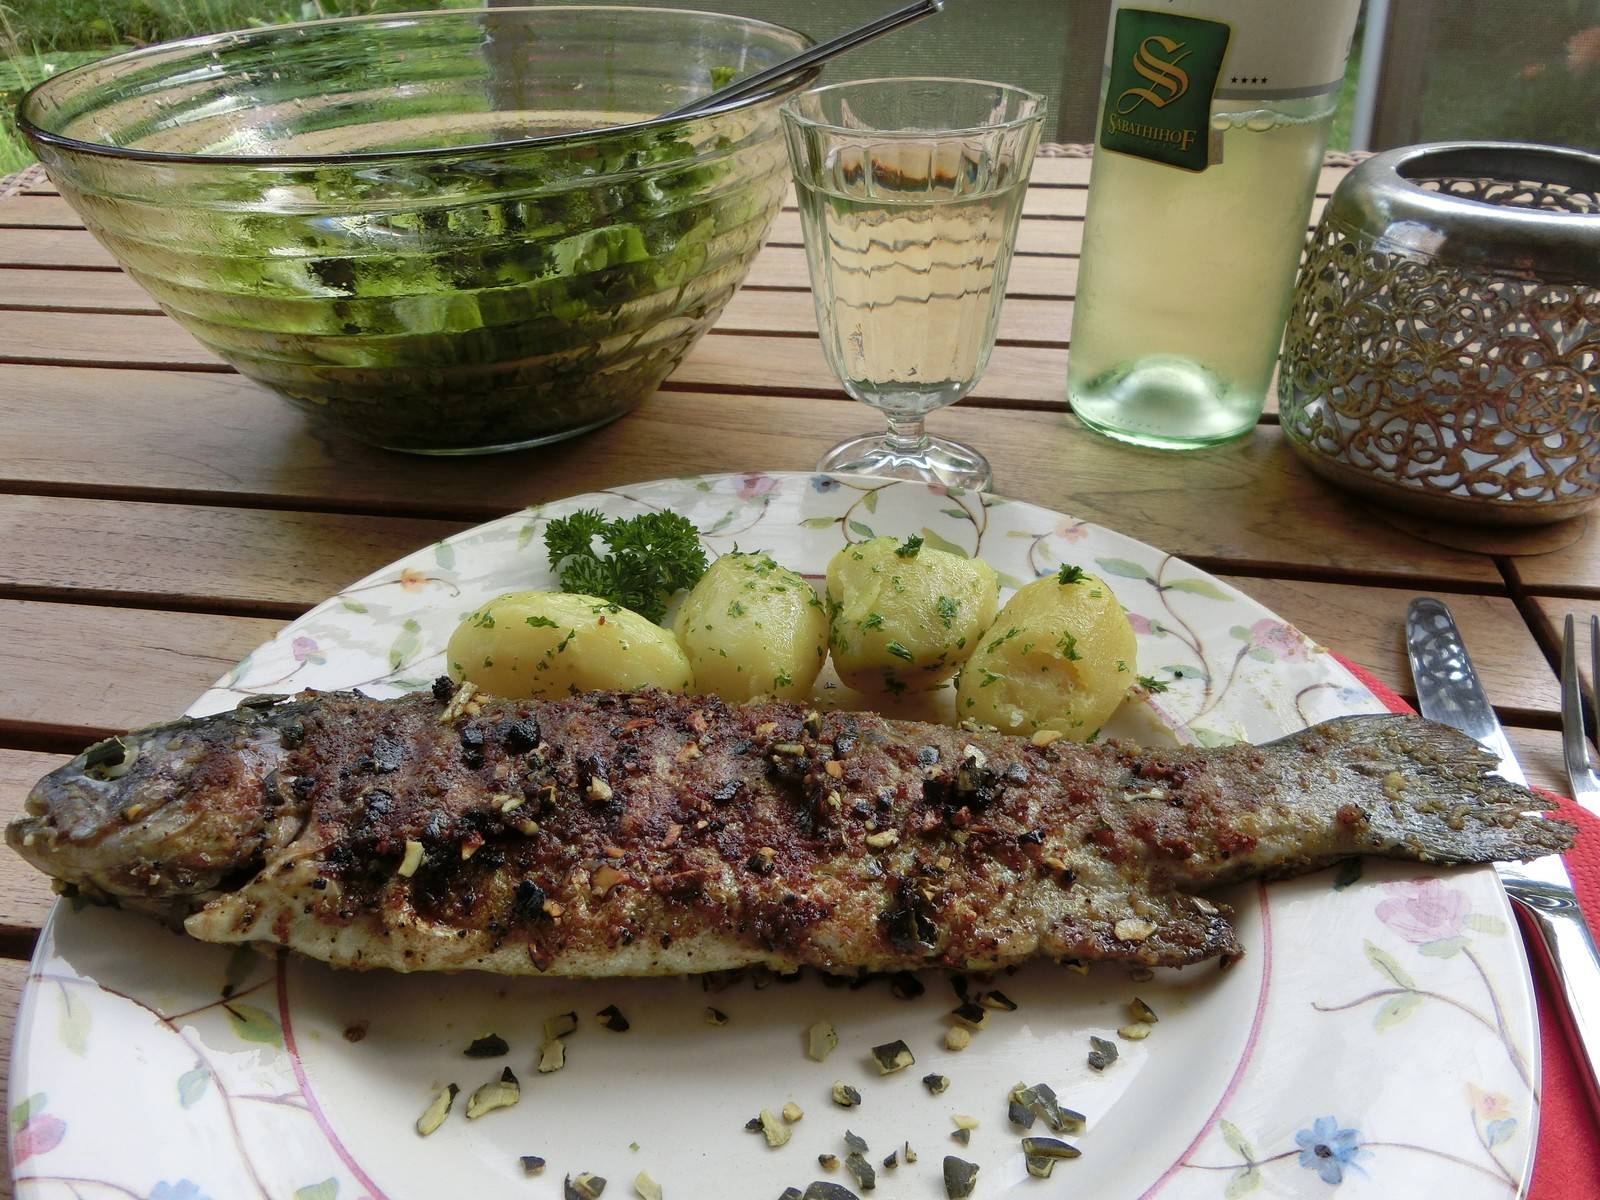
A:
(653, 834)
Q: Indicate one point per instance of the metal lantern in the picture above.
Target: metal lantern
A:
(1443, 349)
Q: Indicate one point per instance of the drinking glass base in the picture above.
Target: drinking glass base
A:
(932, 460)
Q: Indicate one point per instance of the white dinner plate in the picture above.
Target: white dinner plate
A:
(1378, 1035)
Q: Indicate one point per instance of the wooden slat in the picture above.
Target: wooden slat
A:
(25, 895)
(251, 561)
(1033, 236)
(220, 439)
(51, 248)
(25, 210)
(776, 266)
(1030, 374)
(46, 212)
(785, 266)
(1549, 614)
(755, 311)
(42, 287)
(751, 310)
(73, 669)
(1568, 557)
(1367, 625)
(39, 211)
(1539, 752)
(1052, 237)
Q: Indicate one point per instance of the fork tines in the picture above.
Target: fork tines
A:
(1575, 699)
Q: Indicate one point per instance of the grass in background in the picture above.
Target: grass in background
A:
(39, 38)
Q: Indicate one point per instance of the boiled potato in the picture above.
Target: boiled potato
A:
(753, 628)
(903, 615)
(550, 644)
(1060, 656)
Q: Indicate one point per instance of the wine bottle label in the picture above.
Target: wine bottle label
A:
(1163, 73)
(1166, 66)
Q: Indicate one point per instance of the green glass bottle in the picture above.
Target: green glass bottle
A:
(1213, 121)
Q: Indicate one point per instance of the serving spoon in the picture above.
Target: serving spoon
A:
(821, 52)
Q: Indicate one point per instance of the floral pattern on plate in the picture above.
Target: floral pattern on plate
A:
(1377, 1039)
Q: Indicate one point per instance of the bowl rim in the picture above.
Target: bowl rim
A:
(782, 88)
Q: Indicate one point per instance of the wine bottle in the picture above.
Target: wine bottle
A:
(1213, 119)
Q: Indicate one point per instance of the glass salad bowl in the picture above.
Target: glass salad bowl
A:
(449, 232)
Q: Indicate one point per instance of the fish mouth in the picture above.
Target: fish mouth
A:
(160, 815)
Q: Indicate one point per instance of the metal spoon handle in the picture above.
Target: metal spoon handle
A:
(821, 52)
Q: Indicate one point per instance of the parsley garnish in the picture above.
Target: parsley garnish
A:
(736, 609)
(1071, 575)
(542, 623)
(1068, 646)
(946, 608)
(899, 651)
(873, 621)
(1153, 685)
(910, 547)
(1003, 638)
(650, 557)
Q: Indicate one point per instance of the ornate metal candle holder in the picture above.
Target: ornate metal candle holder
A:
(1443, 350)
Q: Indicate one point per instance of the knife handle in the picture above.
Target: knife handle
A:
(1572, 963)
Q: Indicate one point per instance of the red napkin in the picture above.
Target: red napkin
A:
(1567, 1165)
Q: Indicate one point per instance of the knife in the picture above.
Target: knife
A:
(1448, 691)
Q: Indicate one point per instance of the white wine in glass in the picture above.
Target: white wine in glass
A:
(910, 191)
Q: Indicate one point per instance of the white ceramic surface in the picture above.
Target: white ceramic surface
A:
(1378, 1036)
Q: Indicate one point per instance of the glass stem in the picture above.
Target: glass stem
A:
(906, 434)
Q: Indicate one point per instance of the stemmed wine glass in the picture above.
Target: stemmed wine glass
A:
(910, 191)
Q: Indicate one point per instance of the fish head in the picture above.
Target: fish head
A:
(171, 813)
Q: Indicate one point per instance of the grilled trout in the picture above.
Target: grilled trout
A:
(648, 833)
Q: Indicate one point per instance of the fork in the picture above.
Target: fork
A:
(1574, 742)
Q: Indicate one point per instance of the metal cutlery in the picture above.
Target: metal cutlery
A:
(1448, 691)
(1574, 747)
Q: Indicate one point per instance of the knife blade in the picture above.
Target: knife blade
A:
(1448, 691)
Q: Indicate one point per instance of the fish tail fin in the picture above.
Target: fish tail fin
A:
(1414, 789)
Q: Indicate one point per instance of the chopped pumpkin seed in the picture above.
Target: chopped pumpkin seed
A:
(497, 1093)
(774, 1130)
(892, 1056)
(438, 1109)
(490, 1045)
(1101, 1053)
(960, 1177)
(821, 1040)
(552, 1056)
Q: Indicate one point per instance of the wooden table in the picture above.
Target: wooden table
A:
(160, 515)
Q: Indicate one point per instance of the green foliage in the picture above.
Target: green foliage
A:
(40, 38)
(649, 557)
